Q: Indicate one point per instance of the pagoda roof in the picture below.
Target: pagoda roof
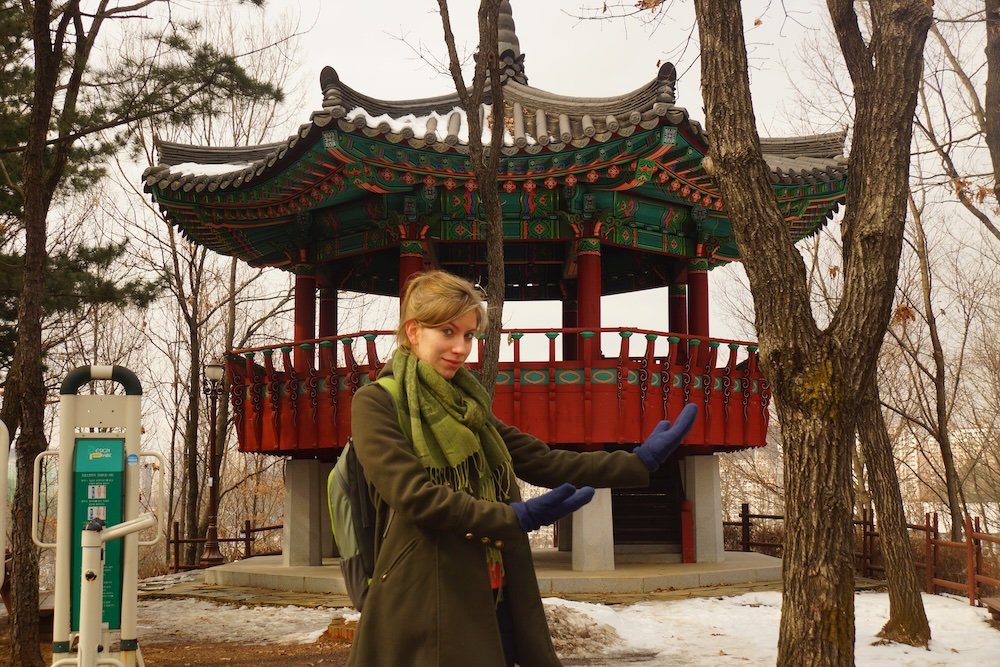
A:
(537, 122)
(365, 175)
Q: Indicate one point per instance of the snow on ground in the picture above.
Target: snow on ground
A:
(166, 621)
(743, 630)
(701, 632)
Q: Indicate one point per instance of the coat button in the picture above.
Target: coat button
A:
(469, 536)
(485, 540)
(498, 544)
(384, 576)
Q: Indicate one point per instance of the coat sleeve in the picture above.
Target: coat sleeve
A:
(402, 481)
(537, 463)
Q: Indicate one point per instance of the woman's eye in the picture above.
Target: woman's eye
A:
(470, 336)
(447, 331)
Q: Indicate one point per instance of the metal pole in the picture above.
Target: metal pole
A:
(212, 386)
(91, 589)
(745, 526)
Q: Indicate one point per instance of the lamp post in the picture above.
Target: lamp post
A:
(212, 387)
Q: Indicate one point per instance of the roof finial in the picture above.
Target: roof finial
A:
(508, 48)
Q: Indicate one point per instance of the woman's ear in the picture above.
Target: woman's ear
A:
(411, 331)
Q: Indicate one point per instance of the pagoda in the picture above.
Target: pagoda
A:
(599, 196)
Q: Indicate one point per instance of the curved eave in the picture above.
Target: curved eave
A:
(571, 122)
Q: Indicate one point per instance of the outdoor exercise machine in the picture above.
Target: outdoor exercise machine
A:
(97, 521)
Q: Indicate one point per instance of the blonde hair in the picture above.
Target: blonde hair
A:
(434, 298)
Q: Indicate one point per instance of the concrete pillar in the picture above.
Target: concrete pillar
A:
(593, 535)
(704, 490)
(304, 494)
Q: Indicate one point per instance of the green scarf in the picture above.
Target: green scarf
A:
(449, 426)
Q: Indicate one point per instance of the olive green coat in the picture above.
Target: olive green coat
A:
(430, 603)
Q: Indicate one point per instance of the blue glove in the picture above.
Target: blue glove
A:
(664, 440)
(552, 506)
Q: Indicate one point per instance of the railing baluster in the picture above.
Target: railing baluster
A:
(515, 337)
(621, 378)
(273, 384)
(588, 363)
(374, 365)
(648, 359)
(553, 421)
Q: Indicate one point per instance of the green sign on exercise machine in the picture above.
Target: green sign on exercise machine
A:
(98, 488)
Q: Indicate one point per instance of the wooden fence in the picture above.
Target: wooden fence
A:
(248, 534)
(980, 573)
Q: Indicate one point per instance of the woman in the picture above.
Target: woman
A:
(454, 583)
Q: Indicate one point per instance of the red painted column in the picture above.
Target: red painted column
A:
(570, 319)
(677, 309)
(327, 312)
(305, 312)
(588, 283)
(411, 261)
(698, 298)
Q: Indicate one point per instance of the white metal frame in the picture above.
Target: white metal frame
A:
(121, 416)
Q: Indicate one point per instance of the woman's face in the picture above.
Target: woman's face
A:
(445, 347)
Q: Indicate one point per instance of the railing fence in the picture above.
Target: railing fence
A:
(980, 559)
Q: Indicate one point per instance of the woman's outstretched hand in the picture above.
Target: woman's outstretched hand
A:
(551, 506)
(665, 439)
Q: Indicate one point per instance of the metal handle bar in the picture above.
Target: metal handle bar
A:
(34, 502)
(161, 501)
(144, 520)
(83, 374)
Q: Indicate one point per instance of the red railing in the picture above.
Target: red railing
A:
(295, 400)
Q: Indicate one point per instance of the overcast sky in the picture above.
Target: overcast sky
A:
(373, 44)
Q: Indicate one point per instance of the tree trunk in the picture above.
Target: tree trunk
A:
(26, 367)
(816, 376)
(192, 525)
(907, 622)
(24, 625)
(992, 101)
(817, 612)
(956, 499)
(484, 165)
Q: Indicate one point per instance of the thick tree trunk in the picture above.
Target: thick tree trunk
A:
(816, 376)
(24, 626)
(26, 367)
(907, 622)
(817, 612)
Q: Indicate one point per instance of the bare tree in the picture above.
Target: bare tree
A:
(959, 112)
(72, 99)
(484, 161)
(818, 374)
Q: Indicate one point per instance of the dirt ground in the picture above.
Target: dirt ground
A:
(187, 654)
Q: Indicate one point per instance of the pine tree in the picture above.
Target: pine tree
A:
(69, 112)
